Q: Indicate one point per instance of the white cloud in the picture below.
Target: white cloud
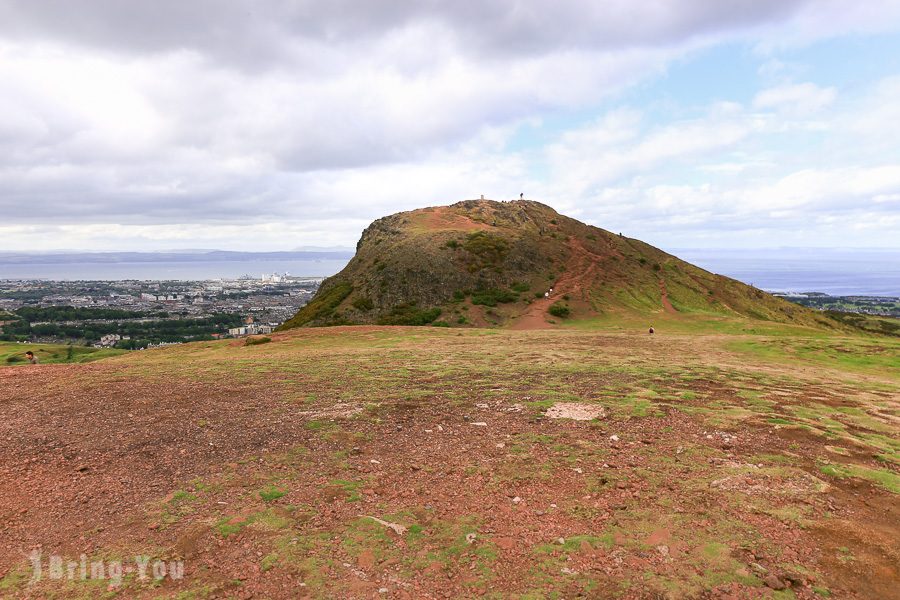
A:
(211, 119)
(797, 99)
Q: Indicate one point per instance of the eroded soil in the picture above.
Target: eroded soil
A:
(419, 463)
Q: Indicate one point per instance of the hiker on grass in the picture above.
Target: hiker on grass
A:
(31, 357)
(651, 330)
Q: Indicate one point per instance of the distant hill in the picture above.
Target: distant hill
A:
(489, 263)
(56, 258)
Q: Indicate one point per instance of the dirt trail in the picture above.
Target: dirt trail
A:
(442, 218)
(580, 271)
(667, 306)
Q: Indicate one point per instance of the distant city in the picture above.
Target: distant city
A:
(882, 306)
(133, 314)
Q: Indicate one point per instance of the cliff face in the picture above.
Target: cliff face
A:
(485, 263)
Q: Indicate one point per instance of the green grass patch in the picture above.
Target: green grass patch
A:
(271, 493)
(882, 477)
(12, 354)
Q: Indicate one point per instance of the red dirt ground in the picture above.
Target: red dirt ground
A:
(89, 454)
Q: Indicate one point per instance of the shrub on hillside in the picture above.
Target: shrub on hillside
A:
(256, 341)
(487, 250)
(363, 303)
(410, 314)
(558, 309)
(493, 297)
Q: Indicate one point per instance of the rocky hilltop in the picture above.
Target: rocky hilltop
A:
(520, 264)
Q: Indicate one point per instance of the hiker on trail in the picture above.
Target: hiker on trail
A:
(651, 330)
(522, 196)
(31, 357)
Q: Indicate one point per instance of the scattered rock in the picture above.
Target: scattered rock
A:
(395, 527)
(577, 411)
(774, 582)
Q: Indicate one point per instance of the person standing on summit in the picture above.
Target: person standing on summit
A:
(522, 196)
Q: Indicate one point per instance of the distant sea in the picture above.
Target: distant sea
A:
(837, 272)
(186, 265)
(171, 270)
(832, 271)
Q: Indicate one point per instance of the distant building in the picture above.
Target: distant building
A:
(250, 329)
(111, 339)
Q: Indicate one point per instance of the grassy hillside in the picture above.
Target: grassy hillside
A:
(486, 263)
(14, 354)
(397, 462)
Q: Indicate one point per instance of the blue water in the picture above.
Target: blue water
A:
(831, 271)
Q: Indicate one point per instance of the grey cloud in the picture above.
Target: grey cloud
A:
(249, 32)
(243, 111)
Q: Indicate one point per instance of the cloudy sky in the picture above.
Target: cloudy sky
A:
(238, 124)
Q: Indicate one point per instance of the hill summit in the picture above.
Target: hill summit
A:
(520, 264)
